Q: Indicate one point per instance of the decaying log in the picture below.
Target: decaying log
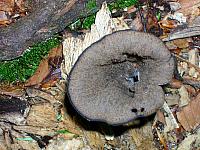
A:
(47, 18)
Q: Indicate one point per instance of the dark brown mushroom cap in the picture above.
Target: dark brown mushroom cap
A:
(117, 79)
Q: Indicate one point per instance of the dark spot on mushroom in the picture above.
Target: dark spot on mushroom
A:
(131, 90)
(142, 109)
(134, 110)
(120, 72)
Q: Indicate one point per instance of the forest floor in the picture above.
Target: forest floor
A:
(35, 113)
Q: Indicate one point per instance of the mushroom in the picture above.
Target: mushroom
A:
(118, 78)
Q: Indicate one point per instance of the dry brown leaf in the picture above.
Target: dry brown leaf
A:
(57, 51)
(181, 43)
(131, 9)
(44, 67)
(191, 90)
(136, 24)
(7, 5)
(176, 83)
(189, 116)
(21, 5)
(12, 90)
(160, 117)
(42, 131)
(190, 8)
(167, 24)
(49, 83)
(40, 74)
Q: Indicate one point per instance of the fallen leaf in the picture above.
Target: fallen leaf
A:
(190, 8)
(21, 5)
(175, 83)
(181, 43)
(191, 90)
(49, 83)
(57, 51)
(12, 90)
(189, 116)
(168, 24)
(40, 74)
(136, 24)
(7, 5)
(184, 96)
(44, 68)
(131, 9)
(160, 117)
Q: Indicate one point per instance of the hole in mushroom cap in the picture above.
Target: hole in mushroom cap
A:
(132, 90)
(142, 109)
(135, 76)
(134, 110)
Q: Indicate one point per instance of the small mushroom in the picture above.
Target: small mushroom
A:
(118, 78)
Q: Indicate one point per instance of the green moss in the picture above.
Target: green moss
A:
(87, 22)
(92, 7)
(121, 4)
(91, 4)
(76, 25)
(23, 67)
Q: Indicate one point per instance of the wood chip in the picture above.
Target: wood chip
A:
(42, 116)
(184, 96)
(171, 122)
(42, 131)
(186, 144)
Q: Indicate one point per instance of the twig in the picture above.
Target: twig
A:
(189, 63)
(143, 20)
(193, 83)
(188, 32)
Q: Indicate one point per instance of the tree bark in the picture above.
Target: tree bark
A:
(47, 18)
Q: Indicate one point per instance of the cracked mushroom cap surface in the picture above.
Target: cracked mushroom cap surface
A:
(118, 78)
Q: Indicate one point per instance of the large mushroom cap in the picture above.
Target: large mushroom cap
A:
(117, 79)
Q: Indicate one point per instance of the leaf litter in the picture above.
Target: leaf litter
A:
(176, 125)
